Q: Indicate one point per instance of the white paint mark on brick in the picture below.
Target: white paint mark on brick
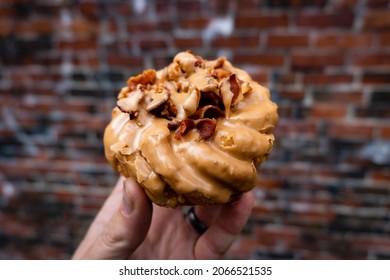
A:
(219, 26)
(139, 6)
(377, 151)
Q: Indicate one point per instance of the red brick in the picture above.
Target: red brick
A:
(258, 74)
(296, 170)
(371, 243)
(326, 111)
(376, 78)
(122, 8)
(371, 59)
(287, 40)
(194, 23)
(145, 26)
(262, 59)
(296, 3)
(377, 20)
(384, 132)
(342, 98)
(165, 25)
(378, 3)
(18, 227)
(261, 20)
(345, 4)
(311, 217)
(269, 183)
(160, 61)
(39, 26)
(5, 28)
(164, 10)
(92, 60)
(236, 41)
(187, 43)
(6, 12)
(89, 9)
(342, 19)
(270, 236)
(112, 26)
(344, 41)
(124, 60)
(351, 130)
(82, 27)
(373, 111)
(141, 27)
(77, 44)
(287, 78)
(384, 39)
(249, 5)
(286, 110)
(316, 61)
(380, 175)
(290, 127)
(153, 44)
(326, 79)
(188, 7)
(293, 95)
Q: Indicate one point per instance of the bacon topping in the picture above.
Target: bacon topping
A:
(199, 63)
(235, 87)
(185, 126)
(167, 110)
(208, 111)
(220, 62)
(220, 73)
(147, 77)
(206, 128)
(209, 98)
(191, 93)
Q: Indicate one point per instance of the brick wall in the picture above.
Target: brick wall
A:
(323, 194)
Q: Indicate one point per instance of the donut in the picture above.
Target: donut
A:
(192, 133)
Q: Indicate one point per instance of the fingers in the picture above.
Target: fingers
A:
(227, 225)
(207, 214)
(126, 229)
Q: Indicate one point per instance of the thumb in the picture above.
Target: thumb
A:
(127, 228)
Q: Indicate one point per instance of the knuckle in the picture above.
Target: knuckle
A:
(111, 240)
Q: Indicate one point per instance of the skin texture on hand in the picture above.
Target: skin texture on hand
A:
(129, 226)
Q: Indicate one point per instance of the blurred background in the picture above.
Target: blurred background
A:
(323, 194)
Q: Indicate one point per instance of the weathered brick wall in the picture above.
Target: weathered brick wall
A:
(325, 191)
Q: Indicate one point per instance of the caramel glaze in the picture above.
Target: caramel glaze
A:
(170, 168)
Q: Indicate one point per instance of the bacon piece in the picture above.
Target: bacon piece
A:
(199, 63)
(208, 111)
(209, 98)
(219, 62)
(172, 125)
(185, 126)
(206, 128)
(235, 87)
(166, 110)
(230, 92)
(220, 73)
(147, 77)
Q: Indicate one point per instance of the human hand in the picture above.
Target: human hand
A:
(129, 226)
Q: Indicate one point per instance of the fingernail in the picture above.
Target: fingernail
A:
(127, 203)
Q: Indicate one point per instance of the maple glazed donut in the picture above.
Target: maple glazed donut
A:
(192, 133)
